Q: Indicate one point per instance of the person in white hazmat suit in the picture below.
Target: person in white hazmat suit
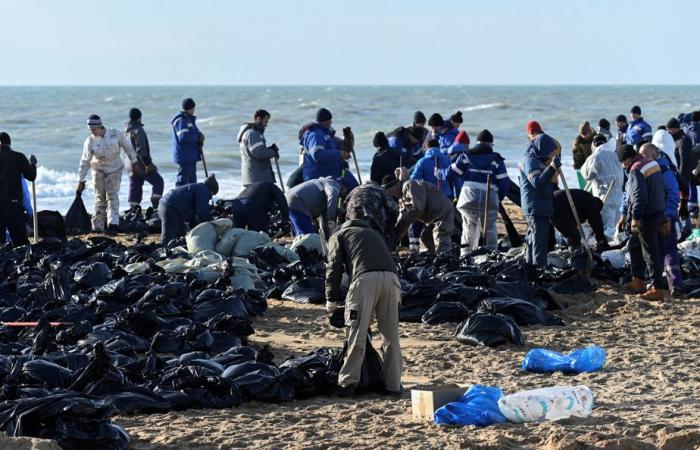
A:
(101, 153)
(599, 171)
(663, 140)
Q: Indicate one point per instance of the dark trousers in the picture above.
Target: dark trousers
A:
(537, 239)
(12, 219)
(645, 253)
(250, 214)
(186, 174)
(136, 186)
(672, 260)
(172, 225)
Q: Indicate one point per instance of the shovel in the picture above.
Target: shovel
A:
(36, 217)
(589, 265)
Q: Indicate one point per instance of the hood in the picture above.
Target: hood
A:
(663, 163)
(433, 152)
(609, 146)
(542, 147)
(663, 140)
(245, 127)
(480, 149)
(183, 114)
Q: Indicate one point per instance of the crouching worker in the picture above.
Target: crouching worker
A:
(588, 209)
(184, 206)
(313, 200)
(359, 251)
(101, 154)
(373, 204)
(422, 202)
(253, 206)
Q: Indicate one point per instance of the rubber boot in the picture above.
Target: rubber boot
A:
(637, 285)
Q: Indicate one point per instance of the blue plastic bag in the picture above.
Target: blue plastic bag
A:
(478, 406)
(541, 360)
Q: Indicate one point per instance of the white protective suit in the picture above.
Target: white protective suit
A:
(102, 155)
(599, 170)
(663, 140)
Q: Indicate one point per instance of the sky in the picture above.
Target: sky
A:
(356, 42)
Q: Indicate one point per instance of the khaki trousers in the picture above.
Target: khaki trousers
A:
(106, 198)
(373, 294)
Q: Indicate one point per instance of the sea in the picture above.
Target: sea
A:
(49, 122)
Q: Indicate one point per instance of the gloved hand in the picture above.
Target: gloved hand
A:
(683, 208)
(601, 246)
(331, 307)
(665, 229)
(32, 160)
(556, 162)
(80, 188)
(276, 150)
(635, 226)
(344, 155)
(621, 224)
(151, 169)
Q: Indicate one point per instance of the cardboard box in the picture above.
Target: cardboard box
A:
(425, 400)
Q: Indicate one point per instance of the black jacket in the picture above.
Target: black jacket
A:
(13, 166)
(588, 208)
(384, 163)
(266, 194)
(139, 140)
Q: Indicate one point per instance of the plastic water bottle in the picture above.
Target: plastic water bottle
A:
(551, 403)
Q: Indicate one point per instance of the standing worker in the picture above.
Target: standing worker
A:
(101, 154)
(639, 130)
(143, 169)
(253, 206)
(256, 156)
(13, 167)
(187, 143)
(184, 206)
(581, 150)
(375, 291)
(537, 170)
(324, 154)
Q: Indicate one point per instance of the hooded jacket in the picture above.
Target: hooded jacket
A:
(421, 201)
(256, 156)
(476, 167)
(694, 132)
(190, 202)
(646, 193)
(639, 130)
(536, 194)
(425, 169)
(384, 162)
(321, 153)
(447, 137)
(315, 198)
(399, 140)
(663, 140)
(103, 153)
(267, 195)
(186, 138)
(139, 141)
(581, 148)
(600, 169)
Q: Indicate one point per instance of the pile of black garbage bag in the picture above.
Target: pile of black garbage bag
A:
(107, 342)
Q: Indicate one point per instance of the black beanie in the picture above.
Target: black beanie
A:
(627, 151)
(636, 110)
(696, 116)
(457, 117)
(5, 139)
(436, 120)
(603, 123)
(621, 118)
(673, 123)
(380, 140)
(134, 114)
(187, 104)
(418, 117)
(212, 184)
(323, 115)
(485, 136)
(599, 139)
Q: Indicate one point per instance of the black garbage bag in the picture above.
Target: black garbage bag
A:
(491, 330)
(44, 338)
(337, 318)
(576, 284)
(445, 312)
(524, 313)
(265, 386)
(99, 375)
(77, 219)
(469, 296)
(230, 324)
(57, 284)
(46, 374)
(314, 374)
(524, 291)
(372, 375)
(307, 290)
(75, 421)
(51, 224)
(205, 389)
(137, 399)
(93, 275)
(232, 305)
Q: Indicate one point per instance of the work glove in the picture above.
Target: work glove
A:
(665, 229)
(32, 160)
(683, 208)
(621, 225)
(634, 226)
(81, 187)
(276, 150)
(556, 163)
(151, 169)
(331, 307)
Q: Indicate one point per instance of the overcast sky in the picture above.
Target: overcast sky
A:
(200, 42)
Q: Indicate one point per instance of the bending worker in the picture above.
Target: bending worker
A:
(186, 205)
(253, 206)
(359, 251)
(313, 200)
(588, 208)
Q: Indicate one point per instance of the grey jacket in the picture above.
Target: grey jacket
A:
(315, 198)
(255, 155)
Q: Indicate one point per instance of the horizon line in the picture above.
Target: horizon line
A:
(359, 85)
